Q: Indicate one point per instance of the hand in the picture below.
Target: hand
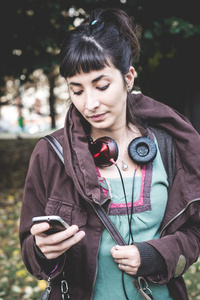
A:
(55, 244)
(127, 257)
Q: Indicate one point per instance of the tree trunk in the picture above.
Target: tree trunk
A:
(51, 78)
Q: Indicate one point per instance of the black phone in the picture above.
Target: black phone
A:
(56, 223)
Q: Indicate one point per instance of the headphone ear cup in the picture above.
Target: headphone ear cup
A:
(103, 150)
(142, 150)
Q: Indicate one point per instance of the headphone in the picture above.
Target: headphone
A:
(141, 150)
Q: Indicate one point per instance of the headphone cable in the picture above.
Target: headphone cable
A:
(129, 219)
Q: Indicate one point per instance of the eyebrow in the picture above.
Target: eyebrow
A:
(94, 80)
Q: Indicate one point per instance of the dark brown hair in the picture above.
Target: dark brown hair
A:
(106, 36)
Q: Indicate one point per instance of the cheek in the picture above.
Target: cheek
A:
(77, 103)
(119, 92)
(79, 107)
(119, 99)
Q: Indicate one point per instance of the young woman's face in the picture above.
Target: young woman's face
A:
(100, 96)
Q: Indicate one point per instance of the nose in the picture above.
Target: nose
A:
(91, 102)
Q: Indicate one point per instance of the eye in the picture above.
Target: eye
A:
(78, 93)
(103, 88)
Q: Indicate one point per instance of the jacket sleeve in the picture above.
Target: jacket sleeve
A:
(152, 262)
(33, 204)
(180, 243)
(180, 249)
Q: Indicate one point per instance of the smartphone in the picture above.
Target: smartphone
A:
(57, 223)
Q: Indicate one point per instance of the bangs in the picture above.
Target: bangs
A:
(85, 57)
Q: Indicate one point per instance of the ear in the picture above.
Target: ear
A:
(129, 77)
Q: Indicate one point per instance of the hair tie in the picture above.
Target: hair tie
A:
(96, 26)
(93, 22)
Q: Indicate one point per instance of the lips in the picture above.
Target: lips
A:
(97, 117)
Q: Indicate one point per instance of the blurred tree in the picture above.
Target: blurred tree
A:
(33, 31)
(169, 61)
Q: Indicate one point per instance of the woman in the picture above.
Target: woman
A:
(154, 205)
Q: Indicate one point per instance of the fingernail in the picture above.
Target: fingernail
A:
(75, 227)
(81, 234)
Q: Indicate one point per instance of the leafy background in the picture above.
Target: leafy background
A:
(169, 61)
(15, 281)
(32, 30)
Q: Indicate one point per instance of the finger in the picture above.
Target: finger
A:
(53, 255)
(39, 228)
(119, 252)
(127, 269)
(67, 243)
(53, 251)
(123, 261)
(116, 247)
(121, 249)
(56, 238)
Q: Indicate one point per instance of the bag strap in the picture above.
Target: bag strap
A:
(99, 210)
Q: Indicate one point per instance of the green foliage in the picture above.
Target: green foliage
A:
(182, 27)
(192, 280)
(15, 281)
(172, 26)
(33, 31)
(33, 37)
(14, 160)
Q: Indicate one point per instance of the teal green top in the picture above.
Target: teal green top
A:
(150, 198)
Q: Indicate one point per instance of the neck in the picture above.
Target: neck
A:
(119, 135)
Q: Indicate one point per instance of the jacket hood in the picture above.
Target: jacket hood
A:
(79, 163)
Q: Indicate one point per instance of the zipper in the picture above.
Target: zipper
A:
(182, 211)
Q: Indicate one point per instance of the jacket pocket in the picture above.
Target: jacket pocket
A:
(70, 213)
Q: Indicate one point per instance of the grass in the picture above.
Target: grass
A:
(15, 281)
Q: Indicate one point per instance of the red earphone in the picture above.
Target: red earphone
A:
(141, 150)
(103, 150)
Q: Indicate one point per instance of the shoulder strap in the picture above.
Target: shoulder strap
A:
(55, 145)
(99, 210)
(166, 147)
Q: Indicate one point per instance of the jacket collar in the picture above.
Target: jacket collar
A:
(79, 163)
